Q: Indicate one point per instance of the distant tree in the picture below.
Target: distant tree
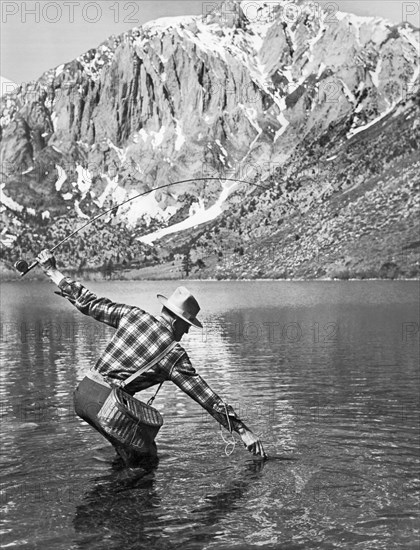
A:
(200, 264)
(186, 263)
(110, 265)
(389, 270)
(108, 268)
(81, 266)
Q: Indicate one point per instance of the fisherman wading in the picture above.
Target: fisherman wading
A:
(138, 341)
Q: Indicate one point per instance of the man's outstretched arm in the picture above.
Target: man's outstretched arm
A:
(101, 309)
(186, 378)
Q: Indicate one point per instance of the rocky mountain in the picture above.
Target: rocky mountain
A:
(339, 208)
(308, 103)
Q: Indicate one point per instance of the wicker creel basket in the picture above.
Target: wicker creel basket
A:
(128, 420)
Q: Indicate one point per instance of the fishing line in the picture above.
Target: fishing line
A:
(22, 265)
(233, 441)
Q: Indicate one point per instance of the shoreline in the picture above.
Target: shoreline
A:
(97, 276)
(159, 273)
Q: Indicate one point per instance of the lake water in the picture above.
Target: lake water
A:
(325, 372)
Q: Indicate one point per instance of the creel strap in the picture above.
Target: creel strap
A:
(148, 365)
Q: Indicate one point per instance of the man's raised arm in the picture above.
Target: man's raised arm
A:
(101, 309)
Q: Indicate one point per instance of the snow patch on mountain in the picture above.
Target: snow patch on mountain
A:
(54, 120)
(84, 179)
(121, 153)
(207, 40)
(198, 215)
(146, 207)
(142, 134)
(28, 170)
(222, 149)
(7, 239)
(111, 186)
(358, 20)
(62, 177)
(163, 24)
(79, 211)
(59, 70)
(158, 137)
(410, 38)
(353, 131)
(314, 40)
(94, 61)
(284, 123)
(347, 92)
(375, 74)
(180, 137)
(8, 201)
(251, 114)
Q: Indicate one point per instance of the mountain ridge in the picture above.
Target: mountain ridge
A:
(191, 97)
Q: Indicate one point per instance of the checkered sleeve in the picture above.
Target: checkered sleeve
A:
(101, 309)
(189, 381)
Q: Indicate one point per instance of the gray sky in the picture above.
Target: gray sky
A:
(39, 35)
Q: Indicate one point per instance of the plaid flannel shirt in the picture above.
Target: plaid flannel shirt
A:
(140, 338)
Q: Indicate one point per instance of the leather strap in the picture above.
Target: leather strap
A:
(149, 365)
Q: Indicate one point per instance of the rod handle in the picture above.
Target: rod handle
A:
(30, 267)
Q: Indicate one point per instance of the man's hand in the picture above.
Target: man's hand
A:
(252, 443)
(47, 261)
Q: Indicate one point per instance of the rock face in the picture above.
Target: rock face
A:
(345, 208)
(231, 94)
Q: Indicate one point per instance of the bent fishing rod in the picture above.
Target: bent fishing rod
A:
(23, 267)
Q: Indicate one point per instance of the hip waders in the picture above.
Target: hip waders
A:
(89, 397)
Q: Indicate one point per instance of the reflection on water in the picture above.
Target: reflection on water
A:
(327, 373)
(155, 520)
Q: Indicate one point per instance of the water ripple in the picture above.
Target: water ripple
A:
(338, 411)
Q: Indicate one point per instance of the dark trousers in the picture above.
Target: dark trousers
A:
(89, 397)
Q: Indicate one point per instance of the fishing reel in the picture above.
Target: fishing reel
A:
(23, 267)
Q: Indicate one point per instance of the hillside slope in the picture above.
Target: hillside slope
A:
(339, 208)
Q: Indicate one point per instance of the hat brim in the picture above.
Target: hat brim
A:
(165, 302)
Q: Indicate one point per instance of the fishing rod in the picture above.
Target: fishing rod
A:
(23, 267)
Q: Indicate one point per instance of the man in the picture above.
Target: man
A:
(139, 338)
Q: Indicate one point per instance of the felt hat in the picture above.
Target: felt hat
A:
(183, 304)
